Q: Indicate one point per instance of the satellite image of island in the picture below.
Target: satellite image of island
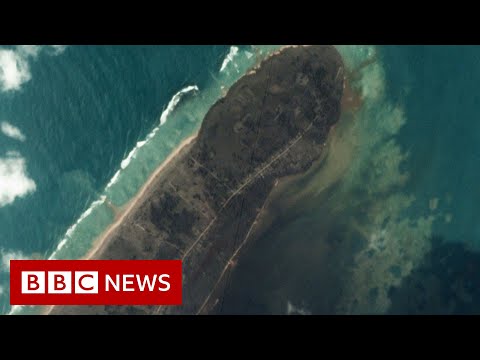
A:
(289, 179)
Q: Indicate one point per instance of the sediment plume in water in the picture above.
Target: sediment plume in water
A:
(344, 226)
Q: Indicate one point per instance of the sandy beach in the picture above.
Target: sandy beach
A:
(208, 215)
(100, 243)
(137, 199)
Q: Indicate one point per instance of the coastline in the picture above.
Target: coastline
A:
(351, 102)
(102, 240)
(200, 200)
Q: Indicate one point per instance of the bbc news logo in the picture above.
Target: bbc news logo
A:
(59, 282)
(95, 282)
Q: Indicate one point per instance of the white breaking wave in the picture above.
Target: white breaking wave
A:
(7, 255)
(125, 162)
(175, 100)
(14, 64)
(172, 104)
(14, 179)
(113, 180)
(229, 58)
(71, 229)
(132, 154)
(2, 290)
(12, 131)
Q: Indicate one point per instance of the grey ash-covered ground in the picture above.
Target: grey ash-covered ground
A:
(202, 208)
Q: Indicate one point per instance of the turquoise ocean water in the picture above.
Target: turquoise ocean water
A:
(82, 128)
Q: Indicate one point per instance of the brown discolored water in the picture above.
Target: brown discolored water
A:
(337, 239)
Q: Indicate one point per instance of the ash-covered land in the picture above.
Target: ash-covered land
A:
(204, 206)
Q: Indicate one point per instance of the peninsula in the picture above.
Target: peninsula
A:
(203, 203)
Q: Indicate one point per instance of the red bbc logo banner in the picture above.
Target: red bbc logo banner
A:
(95, 282)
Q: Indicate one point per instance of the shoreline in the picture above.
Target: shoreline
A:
(100, 244)
(102, 240)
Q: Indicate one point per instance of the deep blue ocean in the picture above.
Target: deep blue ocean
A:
(82, 128)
